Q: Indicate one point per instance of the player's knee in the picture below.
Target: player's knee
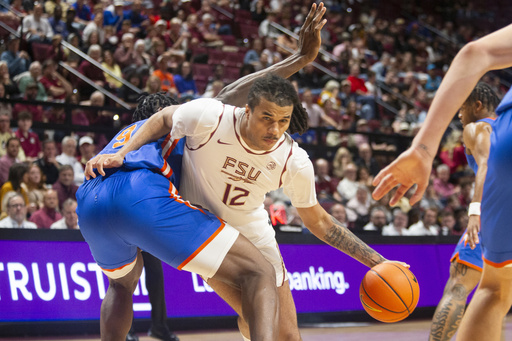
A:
(261, 270)
(290, 335)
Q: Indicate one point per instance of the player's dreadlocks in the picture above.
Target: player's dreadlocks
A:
(150, 104)
(281, 92)
(485, 94)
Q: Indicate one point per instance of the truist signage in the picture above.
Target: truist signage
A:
(59, 280)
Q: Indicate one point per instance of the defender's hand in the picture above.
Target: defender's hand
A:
(309, 35)
(102, 161)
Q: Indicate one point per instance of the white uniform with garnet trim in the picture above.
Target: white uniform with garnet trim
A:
(222, 174)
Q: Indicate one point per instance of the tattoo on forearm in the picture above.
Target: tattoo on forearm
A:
(341, 238)
(422, 146)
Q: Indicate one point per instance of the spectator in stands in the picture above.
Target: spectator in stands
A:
(87, 149)
(325, 185)
(65, 186)
(308, 77)
(271, 52)
(364, 177)
(252, 56)
(266, 29)
(5, 108)
(377, 221)
(17, 61)
(31, 91)
(341, 159)
(72, 58)
(381, 67)
(58, 25)
(209, 29)
(127, 94)
(48, 214)
(96, 115)
(184, 81)
(330, 93)
(96, 25)
(48, 162)
(427, 226)
(316, 116)
(214, 89)
(110, 64)
(32, 76)
(17, 214)
(153, 85)
(54, 83)
(5, 134)
(447, 219)
(70, 218)
(430, 198)
(398, 227)
(166, 78)
(339, 212)
(433, 79)
(28, 139)
(365, 158)
(142, 60)
(11, 157)
(71, 26)
(36, 27)
(453, 152)
(78, 116)
(36, 187)
(90, 71)
(124, 54)
(68, 157)
(358, 208)
(347, 187)
(14, 183)
(114, 18)
(83, 12)
(442, 186)
(179, 37)
(138, 19)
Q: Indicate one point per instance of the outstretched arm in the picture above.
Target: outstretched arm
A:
(491, 52)
(309, 44)
(334, 233)
(477, 137)
(157, 126)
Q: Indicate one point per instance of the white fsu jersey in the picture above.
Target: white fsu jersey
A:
(222, 174)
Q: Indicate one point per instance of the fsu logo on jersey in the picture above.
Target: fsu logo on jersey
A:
(240, 171)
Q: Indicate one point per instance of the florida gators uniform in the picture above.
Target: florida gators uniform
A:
(224, 175)
(496, 204)
(136, 207)
(463, 253)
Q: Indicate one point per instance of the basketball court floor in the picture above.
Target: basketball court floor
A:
(401, 331)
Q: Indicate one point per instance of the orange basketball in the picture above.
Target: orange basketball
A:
(389, 292)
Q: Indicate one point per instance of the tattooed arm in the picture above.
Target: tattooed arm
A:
(334, 233)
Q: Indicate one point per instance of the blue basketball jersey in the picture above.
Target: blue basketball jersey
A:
(164, 155)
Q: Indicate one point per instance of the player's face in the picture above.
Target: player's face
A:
(466, 114)
(266, 124)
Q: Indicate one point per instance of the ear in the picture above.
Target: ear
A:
(247, 110)
(479, 106)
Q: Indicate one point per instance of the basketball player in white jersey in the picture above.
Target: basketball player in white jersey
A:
(233, 157)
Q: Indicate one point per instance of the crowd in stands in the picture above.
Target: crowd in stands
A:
(382, 72)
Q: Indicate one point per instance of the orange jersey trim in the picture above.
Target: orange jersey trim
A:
(498, 265)
(199, 249)
(469, 265)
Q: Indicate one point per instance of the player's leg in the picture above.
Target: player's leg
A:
(246, 270)
(463, 279)
(155, 285)
(492, 300)
(117, 306)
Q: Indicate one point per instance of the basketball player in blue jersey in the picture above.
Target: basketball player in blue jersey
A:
(493, 298)
(477, 116)
(137, 207)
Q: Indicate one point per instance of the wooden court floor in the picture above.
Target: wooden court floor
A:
(401, 331)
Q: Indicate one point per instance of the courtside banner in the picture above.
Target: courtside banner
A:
(59, 280)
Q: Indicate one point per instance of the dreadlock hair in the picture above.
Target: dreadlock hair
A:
(278, 90)
(485, 94)
(150, 104)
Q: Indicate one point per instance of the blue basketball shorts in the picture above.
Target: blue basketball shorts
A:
(465, 255)
(127, 210)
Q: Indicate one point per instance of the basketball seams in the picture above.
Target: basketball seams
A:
(385, 285)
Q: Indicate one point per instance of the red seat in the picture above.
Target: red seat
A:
(247, 30)
(201, 72)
